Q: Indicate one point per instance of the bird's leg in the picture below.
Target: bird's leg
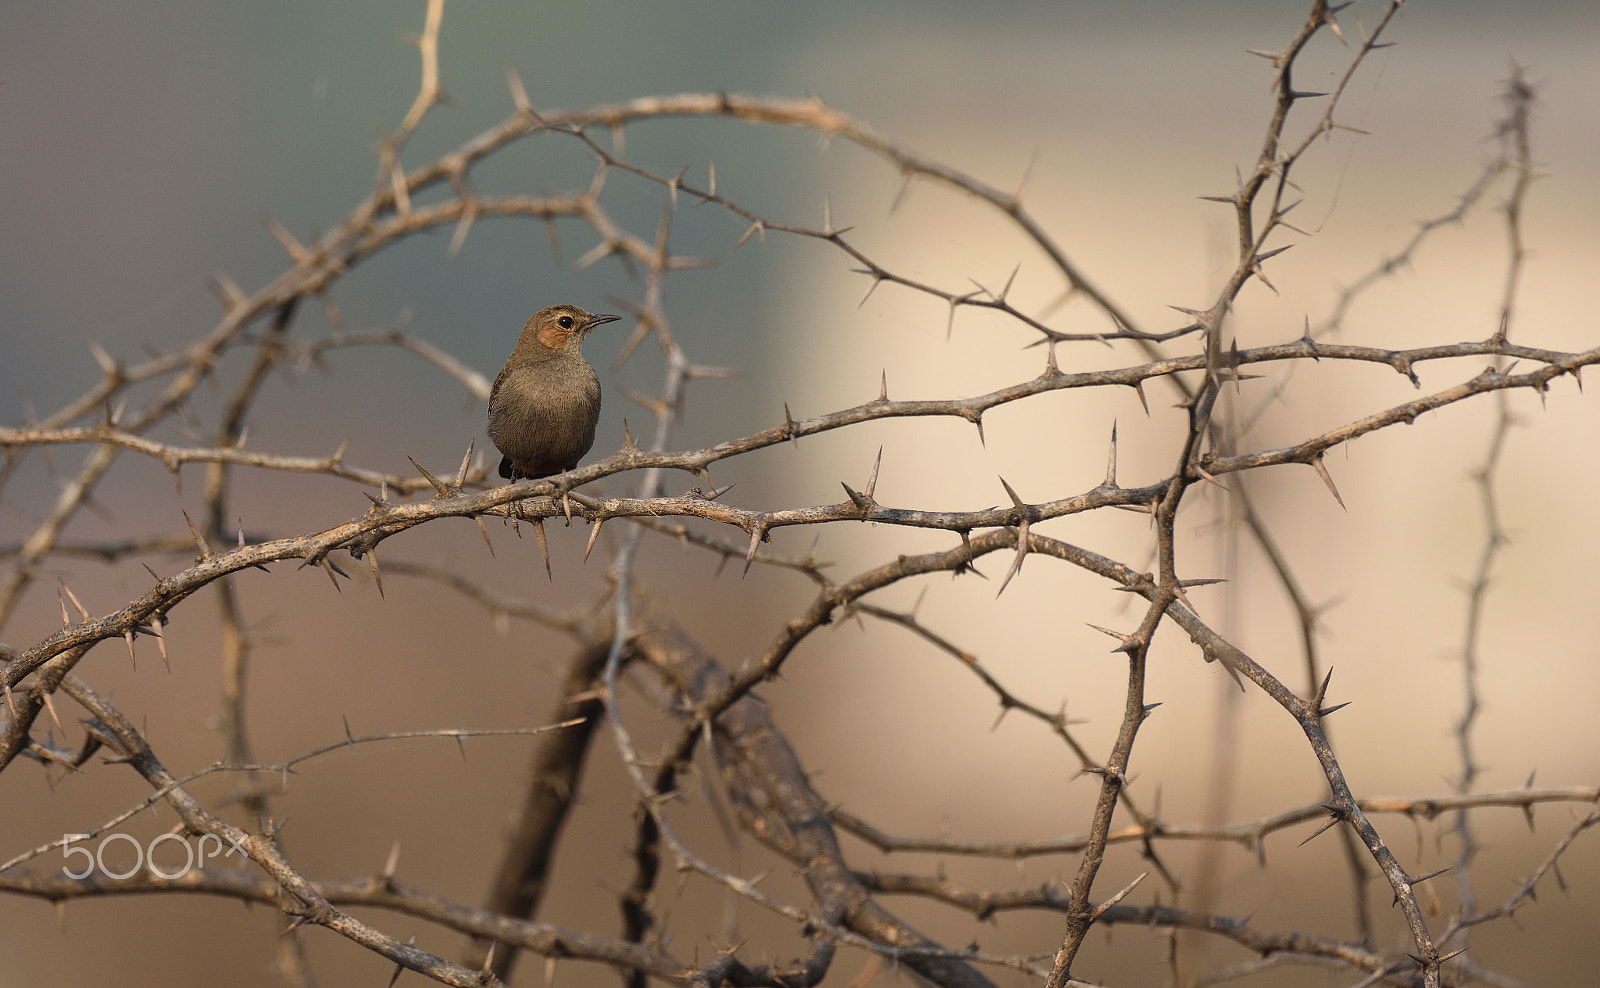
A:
(515, 510)
(560, 480)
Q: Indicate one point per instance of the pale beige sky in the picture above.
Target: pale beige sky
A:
(144, 142)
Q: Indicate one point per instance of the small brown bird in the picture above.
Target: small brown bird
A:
(546, 401)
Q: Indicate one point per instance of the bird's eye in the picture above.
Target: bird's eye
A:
(565, 321)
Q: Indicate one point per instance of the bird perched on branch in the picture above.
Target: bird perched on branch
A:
(546, 401)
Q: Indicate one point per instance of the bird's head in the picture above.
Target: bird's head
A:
(560, 327)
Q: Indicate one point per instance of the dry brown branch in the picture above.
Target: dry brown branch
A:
(635, 674)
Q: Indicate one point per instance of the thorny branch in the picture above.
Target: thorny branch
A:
(762, 777)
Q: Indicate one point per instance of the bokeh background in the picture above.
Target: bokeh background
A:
(143, 143)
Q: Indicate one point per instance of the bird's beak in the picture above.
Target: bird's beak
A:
(598, 321)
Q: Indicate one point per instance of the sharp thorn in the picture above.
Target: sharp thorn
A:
(544, 547)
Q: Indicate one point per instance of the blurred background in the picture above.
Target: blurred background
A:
(143, 143)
